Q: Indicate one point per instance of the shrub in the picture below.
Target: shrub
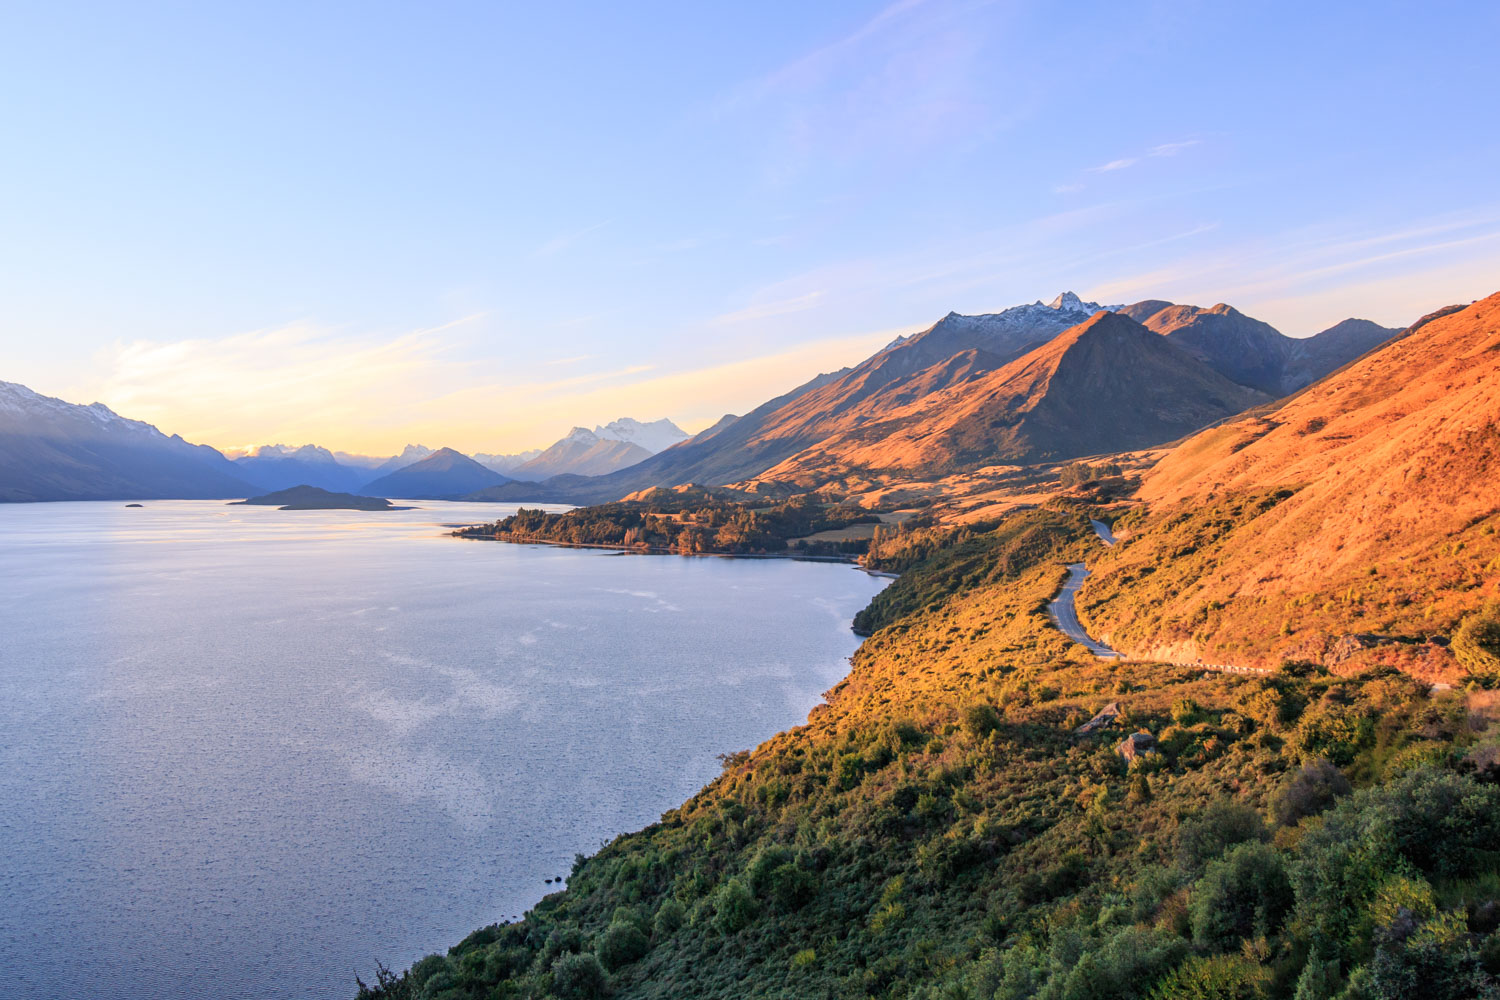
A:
(1313, 789)
(1243, 895)
(1476, 644)
(734, 907)
(981, 720)
(622, 944)
(1185, 711)
(669, 917)
(425, 968)
(1116, 968)
(1221, 977)
(804, 958)
(1429, 822)
(1336, 732)
(1219, 827)
(579, 977)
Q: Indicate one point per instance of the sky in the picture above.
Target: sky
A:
(478, 224)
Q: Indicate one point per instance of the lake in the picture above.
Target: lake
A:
(247, 752)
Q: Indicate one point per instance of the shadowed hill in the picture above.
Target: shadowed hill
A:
(1254, 353)
(55, 450)
(1105, 385)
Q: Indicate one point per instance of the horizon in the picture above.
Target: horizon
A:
(479, 231)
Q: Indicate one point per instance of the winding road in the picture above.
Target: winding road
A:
(1065, 615)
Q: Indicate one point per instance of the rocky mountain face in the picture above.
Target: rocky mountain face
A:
(1105, 385)
(1254, 353)
(444, 475)
(54, 450)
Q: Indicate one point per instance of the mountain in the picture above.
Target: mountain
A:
(505, 464)
(1316, 356)
(1384, 469)
(410, 455)
(658, 435)
(278, 466)
(1255, 353)
(54, 450)
(443, 475)
(955, 349)
(1105, 385)
(584, 453)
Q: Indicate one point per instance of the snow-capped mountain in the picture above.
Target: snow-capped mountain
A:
(658, 435)
(282, 466)
(505, 464)
(581, 452)
(51, 449)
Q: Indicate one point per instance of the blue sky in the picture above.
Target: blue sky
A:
(478, 224)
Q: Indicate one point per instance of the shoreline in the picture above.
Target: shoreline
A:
(657, 550)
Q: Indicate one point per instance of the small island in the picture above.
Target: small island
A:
(315, 498)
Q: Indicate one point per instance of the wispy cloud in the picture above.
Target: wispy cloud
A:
(767, 310)
(1126, 162)
(910, 77)
(566, 241)
(1172, 148)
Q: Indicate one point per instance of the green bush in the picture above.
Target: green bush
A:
(579, 977)
(669, 918)
(981, 720)
(1219, 827)
(1476, 644)
(734, 907)
(1437, 824)
(1243, 895)
(1116, 968)
(621, 944)
(1220, 977)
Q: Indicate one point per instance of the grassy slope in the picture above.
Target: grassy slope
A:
(1385, 518)
(937, 831)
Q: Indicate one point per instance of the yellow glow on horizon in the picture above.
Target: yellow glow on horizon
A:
(297, 385)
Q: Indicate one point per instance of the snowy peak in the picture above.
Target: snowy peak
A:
(36, 413)
(658, 435)
(582, 435)
(302, 453)
(1068, 302)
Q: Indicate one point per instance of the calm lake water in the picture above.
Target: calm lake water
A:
(247, 753)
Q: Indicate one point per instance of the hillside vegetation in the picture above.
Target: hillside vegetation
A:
(938, 830)
(688, 521)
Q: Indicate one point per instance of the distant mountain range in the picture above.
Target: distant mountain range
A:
(1041, 382)
(53, 450)
(972, 391)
